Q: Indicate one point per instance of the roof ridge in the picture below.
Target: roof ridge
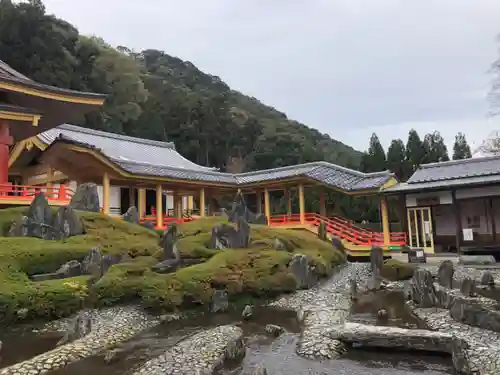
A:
(460, 161)
(12, 71)
(101, 133)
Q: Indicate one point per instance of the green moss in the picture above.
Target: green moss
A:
(20, 257)
(395, 270)
(256, 272)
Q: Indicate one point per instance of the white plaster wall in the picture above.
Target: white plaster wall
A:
(444, 197)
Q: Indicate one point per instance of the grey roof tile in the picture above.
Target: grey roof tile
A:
(457, 169)
(152, 158)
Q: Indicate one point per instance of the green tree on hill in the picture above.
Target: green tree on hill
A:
(374, 159)
(415, 151)
(461, 149)
(396, 155)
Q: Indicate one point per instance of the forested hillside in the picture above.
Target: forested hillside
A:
(158, 96)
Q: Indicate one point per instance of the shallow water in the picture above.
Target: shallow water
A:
(24, 343)
(365, 310)
(276, 354)
(279, 358)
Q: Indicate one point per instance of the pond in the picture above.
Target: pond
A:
(276, 354)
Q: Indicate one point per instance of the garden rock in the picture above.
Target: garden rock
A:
(476, 260)
(39, 218)
(445, 274)
(423, 292)
(148, 225)
(322, 234)
(67, 223)
(247, 312)
(302, 272)
(468, 287)
(220, 301)
(86, 198)
(132, 215)
(274, 330)
(487, 279)
(79, 327)
(167, 242)
(474, 314)
(337, 244)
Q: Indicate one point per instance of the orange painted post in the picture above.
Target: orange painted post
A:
(385, 221)
(159, 206)
(141, 197)
(267, 206)
(5, 141)
(105, 193)
(61, 193)
(302, 204)
(202, 202)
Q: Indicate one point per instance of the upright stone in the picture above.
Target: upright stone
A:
(79, 327)
(92, 264)
(167, 242)
(487, 279)
(376, 264)
(302, 272)
(338, 245)
(423, 292)
(132, 215)
(322, 234)
(39, 218)
(67, 223)
(86, 198)
(243, 229)
(468, 287)
(445, 274)
(220, 301)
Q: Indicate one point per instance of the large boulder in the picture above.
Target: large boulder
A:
(79, 327)
(445, 274)
(476, 260)
(86, 198)
(225, 236)
(67, 223)
(423, 292)
(473, 314)
(220, 301)
(322, 233)
(39, 218)
(302, 271)
(167, 242)
(376, 260)
(132, 215)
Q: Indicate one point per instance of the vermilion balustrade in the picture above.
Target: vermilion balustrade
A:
(341, 228)
(167, 220)
(27, 193)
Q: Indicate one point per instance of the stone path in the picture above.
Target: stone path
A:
(200, 354)
(110, 327)
(484, 350)
(321, 307)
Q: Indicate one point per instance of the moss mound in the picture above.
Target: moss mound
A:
(395, 270)
(22, 257)
(257, 271)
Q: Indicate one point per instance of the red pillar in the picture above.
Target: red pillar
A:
(5, 142)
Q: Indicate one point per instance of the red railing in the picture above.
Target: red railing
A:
(27, 193)
(342, 229)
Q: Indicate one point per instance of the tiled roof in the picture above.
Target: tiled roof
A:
(474, 171)
(7, 72)
(122, 148)
(153, 158)
(13, 76)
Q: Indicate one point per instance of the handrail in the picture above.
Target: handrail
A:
(342, 229)
(27, 192)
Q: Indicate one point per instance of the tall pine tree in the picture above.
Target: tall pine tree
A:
(396, 155)
(435, 149)
(415, 152)
(374, 159)
(461, 149)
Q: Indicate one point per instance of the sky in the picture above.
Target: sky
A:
(346, 67)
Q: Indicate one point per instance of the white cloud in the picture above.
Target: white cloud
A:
(332, 64)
